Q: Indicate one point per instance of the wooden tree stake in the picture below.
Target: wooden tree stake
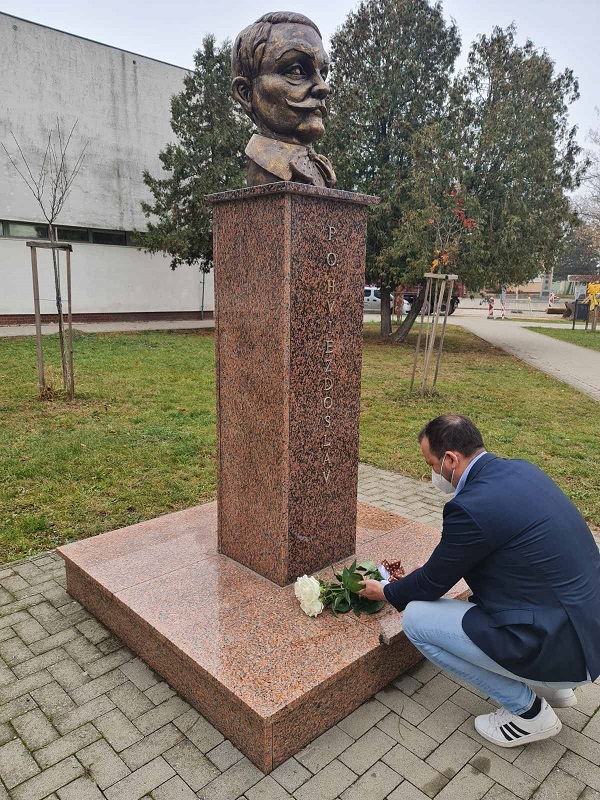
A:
(435, 290)
(440, 297)
(425, 304)
(70, 322)
(55, 247)
(443, 333)
(38, 322)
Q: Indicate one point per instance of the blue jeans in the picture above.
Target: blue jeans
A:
(435, 629)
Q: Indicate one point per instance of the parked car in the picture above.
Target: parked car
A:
(411, 292)
(372, 301)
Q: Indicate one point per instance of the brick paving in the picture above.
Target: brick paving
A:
(401, 495)
(81, 718)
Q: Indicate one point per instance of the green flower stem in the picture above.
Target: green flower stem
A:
(342, 595)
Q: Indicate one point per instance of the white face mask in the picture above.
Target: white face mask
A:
(441, 483)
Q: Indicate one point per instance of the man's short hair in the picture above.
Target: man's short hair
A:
(452, 432)
(249, 46)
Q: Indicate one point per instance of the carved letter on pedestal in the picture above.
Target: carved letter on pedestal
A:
(331, 260)
(288, 376)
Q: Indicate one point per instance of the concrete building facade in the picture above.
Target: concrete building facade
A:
(121, 103)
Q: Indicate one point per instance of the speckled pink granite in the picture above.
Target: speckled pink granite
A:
(131, 555)
(234, 644)
(289, 278)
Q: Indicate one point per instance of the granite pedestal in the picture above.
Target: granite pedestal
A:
(206, 596)
(289, 280)
(236, 645)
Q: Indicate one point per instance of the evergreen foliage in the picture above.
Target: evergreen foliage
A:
(208, 157)
(392, 62)
(522, 157)
(402, 128)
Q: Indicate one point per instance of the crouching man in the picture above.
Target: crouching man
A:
(531, 631)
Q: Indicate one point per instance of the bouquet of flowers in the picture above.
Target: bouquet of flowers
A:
(340, 595)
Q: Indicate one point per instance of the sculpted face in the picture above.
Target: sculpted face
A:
(287, 98)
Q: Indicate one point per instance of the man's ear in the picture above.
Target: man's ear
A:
(454, 460)
(242, 91)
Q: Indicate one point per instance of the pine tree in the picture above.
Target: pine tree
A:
(208, 157)
(441, 230)
(392, 62)
(523, 156)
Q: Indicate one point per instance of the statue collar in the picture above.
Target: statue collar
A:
(290, 162)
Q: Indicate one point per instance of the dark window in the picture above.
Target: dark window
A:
(109, 237)
(378, 294)
(27, 230)
(73, 234)
(32, 230)
(367, 293)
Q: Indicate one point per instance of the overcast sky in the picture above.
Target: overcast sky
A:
(170, 30)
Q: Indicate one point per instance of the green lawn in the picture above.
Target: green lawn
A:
(545, 320)
(579, 336)
(139, 440)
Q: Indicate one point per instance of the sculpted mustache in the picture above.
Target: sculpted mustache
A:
(308, 105)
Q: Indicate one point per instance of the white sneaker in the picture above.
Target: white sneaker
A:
(506, 729)
(557, 698)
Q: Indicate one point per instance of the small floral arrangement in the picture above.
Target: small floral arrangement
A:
(394, 569)
(340, 595)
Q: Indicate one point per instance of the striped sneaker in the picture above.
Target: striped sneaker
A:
(557, 698)
(506, 729)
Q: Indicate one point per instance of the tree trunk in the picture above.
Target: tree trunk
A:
(404, 329)
(386, 312)
(61, 326)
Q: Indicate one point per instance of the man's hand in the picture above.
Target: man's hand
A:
(373, 590)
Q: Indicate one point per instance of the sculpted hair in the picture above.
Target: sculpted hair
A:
(452, 432)
(249, 45)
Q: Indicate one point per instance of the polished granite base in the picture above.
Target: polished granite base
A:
(236, 645)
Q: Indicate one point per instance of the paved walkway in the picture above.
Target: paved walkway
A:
(575, 365)
(81, 718)
(401, 495)
(8, 331)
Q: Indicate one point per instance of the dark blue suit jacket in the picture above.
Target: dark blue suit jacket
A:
(532, 564)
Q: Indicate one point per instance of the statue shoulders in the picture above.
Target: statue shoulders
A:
(272, 156)
(271, 160)
(257, 176)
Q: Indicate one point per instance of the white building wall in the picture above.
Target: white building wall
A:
(121, 102)
(105, 279)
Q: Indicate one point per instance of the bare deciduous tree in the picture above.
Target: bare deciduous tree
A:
(589, 204)
(51, 186)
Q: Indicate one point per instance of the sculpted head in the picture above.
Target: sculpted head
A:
(279, 70)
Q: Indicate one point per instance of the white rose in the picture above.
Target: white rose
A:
(308, 591)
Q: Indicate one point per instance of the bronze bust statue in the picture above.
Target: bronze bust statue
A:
(279, 70)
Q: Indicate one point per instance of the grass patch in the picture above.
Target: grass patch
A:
(545, 320)
(589, 339)
(521, 412)
(139, 440)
